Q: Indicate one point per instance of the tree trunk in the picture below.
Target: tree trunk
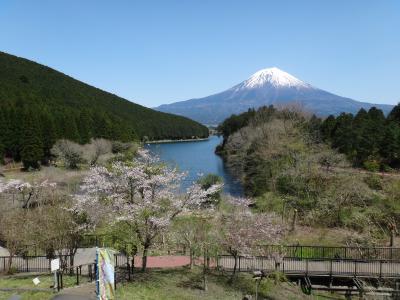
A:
(205, 285)
(191, 258)
(293, 227)
(391, 237)
(234, 268)
(10, 263)
(144, 258)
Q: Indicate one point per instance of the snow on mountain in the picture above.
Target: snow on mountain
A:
(265, 87)
(274, 77)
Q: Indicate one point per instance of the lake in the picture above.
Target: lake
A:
(197, 158)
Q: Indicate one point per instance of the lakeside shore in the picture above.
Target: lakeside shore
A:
(177, 141)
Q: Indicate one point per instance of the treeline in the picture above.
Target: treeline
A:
(283, 162)
(39, 105)
(28, 133)
(369, 139)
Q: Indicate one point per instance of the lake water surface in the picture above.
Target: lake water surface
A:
(197, 158)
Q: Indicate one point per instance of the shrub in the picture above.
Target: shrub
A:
(69, 152)
(371, 165)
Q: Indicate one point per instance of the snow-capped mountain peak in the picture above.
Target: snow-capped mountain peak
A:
(273, 76)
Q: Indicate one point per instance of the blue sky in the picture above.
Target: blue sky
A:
(154, 52)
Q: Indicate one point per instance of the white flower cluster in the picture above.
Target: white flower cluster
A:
(143, 192)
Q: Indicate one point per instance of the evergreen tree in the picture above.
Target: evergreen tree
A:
(49, 135)
(327, 128)
(343, 134)
(3, 129)
(31, 148)
(394, 115)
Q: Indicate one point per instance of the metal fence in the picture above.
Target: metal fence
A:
(315, 267)
(30, 263)
(298, 251)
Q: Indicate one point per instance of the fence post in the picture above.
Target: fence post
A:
(58, 280)
(27, 264)
(77, 275)
(239, 263)
(306, 267)
(62, 281)
(355, 268)
(129, 271)
(380, 269)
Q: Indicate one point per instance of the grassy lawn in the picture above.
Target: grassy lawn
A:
(186, 284)
(46, 281)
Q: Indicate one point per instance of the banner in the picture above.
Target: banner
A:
(105, 274)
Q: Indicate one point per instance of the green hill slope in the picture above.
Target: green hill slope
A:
(37, 100)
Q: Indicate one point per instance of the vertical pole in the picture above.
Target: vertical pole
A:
(61, 281)
(55, 282)
(307, 267)
(77, 275)
(58, 281)
(257, 288)
(355, 268)
(129, 272)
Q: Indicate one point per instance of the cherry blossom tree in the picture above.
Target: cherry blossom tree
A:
(143, 193)
(29, 194)
(244, 231)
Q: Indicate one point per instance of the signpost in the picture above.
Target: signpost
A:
(54, 267)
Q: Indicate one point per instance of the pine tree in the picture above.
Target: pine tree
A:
(327, 128)
(342, 138)
(49, 135)
(3, 129)
(31, 145)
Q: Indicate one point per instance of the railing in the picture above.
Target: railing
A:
(315, 267)
(299, 251)
(78, 273)
(30, 263)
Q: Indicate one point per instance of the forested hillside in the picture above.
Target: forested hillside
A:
(285, 159)
(39, 105)
(369, 139)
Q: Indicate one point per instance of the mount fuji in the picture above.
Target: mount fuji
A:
(265, 87)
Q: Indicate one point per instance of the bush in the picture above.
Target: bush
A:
(371, 165)
(374, 182)
(69, 152)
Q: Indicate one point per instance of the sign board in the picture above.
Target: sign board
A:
(105, 274)
(55, 264)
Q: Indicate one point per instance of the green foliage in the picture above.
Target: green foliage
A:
(31, 143)
(368, 139)
(235, 122)
(206, 182)
(61, 107)
(371, 165)
(282, 160)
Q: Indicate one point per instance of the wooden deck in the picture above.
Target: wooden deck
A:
(310, 267)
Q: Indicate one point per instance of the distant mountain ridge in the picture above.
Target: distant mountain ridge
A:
(265, 87)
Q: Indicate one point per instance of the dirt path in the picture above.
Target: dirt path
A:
(163, 261)
(82, 292)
